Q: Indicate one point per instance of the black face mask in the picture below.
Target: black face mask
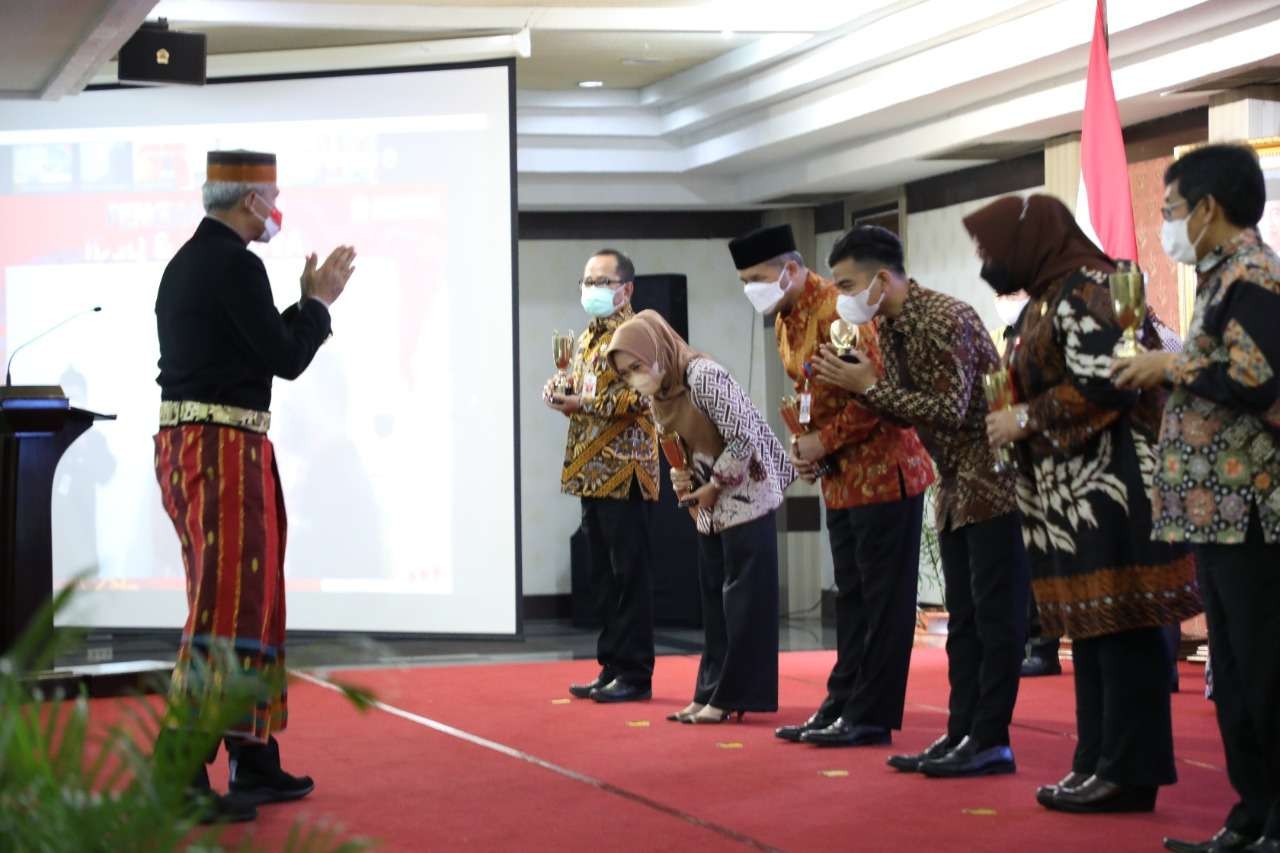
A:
(997, 275)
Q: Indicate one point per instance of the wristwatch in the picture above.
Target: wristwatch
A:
(1023, 417)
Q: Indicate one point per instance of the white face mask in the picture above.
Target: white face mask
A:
(270, 225)
(1010, 309)
(765, 296)
(645, 383)
(858, 309)
(1176, 240)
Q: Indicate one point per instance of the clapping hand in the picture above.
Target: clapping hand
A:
(327, 281)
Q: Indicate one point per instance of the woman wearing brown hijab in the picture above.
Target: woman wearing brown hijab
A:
(1085, 454)
(734, 484)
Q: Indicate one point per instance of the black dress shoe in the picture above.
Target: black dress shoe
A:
(1264, 845)
(910, 763)
(1072, 780)
(795, 733)
(1223, 841)
(1098, 796)
(844, 733)
(621, 691)
(1037, 666)
(583, 691)
(968, 759)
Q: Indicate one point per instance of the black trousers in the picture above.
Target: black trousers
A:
(988, 581)
(621, 585)
(738, 576)
(1038, 646)
(876, 551)
(1241, 585)
(1123, 719)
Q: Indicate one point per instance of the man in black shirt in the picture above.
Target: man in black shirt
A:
(221, 343)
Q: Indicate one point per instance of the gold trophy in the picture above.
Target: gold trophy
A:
(998, 388)
(673, 448)
(844, 337)
(1129, 300)
(562, 352)
(797, 421)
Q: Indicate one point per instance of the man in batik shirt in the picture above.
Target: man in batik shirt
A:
(611, 464)
(222, 340)
(1218, 486)
(935, 351)
(874, 497)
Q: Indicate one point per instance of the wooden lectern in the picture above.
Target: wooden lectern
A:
(37, 425)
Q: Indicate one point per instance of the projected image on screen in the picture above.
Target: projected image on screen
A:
(396, 447)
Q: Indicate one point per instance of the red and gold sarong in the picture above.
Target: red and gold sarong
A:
(221, 489)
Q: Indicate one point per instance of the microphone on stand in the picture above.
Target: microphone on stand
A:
(8, 376)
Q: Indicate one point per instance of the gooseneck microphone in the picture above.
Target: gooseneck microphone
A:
(8, 376)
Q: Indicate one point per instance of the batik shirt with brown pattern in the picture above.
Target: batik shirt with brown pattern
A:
(612, 438)
(935, 353)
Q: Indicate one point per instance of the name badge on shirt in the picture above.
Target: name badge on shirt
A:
(806, 407)
(589, 385)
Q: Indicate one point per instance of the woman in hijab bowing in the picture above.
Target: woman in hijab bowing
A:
(734, 482)
(1085, 454)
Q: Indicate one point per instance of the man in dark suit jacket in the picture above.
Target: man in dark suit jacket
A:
(222, 340)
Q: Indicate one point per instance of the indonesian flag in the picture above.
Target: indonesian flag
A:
(1104, 208)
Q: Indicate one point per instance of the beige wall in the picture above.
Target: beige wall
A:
(720, 322)
(940, 254)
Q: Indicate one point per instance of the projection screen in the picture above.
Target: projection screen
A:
(397, 448)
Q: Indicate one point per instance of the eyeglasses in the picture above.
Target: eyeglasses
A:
(599, 282)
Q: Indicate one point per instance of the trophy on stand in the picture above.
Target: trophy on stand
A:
(1129, 300)
(844, 337)
(795, 413)
(562, 352)
(673, 448)
(998, 388)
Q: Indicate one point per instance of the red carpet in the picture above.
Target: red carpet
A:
(623, 778)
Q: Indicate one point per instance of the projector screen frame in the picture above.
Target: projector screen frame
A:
(510, 64)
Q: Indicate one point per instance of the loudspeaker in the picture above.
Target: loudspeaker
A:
(673, 541)
(157, 55)
(666, 293)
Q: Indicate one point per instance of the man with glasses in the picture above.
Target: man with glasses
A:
(611, 464)
(1218, 483)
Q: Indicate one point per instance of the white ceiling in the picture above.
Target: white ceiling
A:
(723, 103)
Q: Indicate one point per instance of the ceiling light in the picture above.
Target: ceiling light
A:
(590, 84)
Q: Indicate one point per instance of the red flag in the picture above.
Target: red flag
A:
(1104, 207)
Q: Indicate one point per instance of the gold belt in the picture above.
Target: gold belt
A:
(175, 412)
